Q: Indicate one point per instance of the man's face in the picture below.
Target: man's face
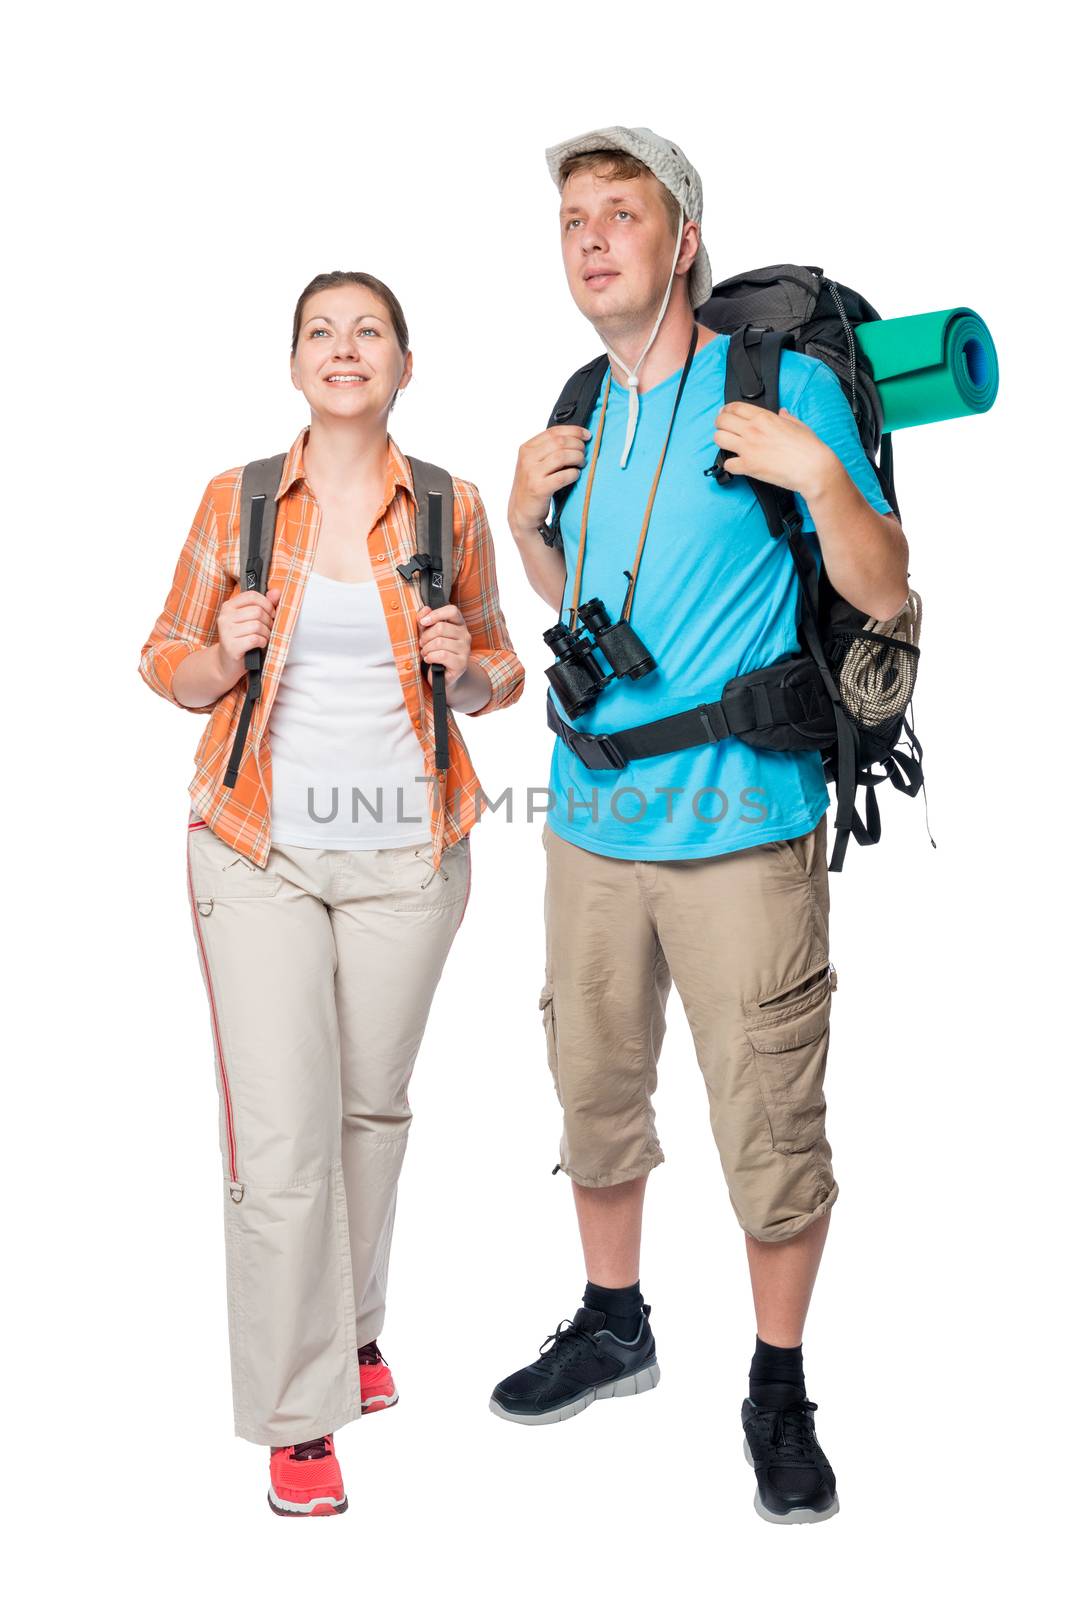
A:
(617, 245)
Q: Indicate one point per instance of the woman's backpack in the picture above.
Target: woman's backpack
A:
(432, 564)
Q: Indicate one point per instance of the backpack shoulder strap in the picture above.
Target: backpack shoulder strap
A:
(575, 406)
(259, 485)
(578, 394)
(753, 357)
(433, 561)
(437, 574)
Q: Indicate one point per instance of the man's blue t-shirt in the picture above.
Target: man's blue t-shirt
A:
(716, 596)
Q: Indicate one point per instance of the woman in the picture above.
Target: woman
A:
(328, 879)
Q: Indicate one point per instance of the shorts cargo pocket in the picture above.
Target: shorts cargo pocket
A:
(548, 1017)
(789, 1058)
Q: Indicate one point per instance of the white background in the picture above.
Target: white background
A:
(177, 176)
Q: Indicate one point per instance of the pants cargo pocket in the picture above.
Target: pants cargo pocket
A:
(789, 1044)
(548, 1017)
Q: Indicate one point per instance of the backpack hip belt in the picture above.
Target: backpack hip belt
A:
(782, 707)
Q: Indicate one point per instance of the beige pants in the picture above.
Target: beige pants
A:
(320, 969)
(744, 936)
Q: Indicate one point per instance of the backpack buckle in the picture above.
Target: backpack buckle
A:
(418, 563)
(599, 752)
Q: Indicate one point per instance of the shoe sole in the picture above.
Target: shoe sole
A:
(639, 1382)
(380, 1402)
(316, 1508)
(801, 1514)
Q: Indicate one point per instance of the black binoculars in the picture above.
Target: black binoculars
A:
(576, 675)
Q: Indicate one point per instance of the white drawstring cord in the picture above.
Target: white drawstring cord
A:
(432, 871)
(632, 372)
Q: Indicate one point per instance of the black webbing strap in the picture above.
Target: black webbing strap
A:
(746, 710)
(753, 359)
(436, 596)
(884, 471)
(259, 486)
(252, 578)
(606, 752)
(575, 407)
(846, 820)
(904, 772)
(433, 565)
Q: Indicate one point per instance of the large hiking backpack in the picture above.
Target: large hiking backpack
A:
(432, 563)
(852, 700)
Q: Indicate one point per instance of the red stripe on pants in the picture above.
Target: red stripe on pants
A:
(230, 1139)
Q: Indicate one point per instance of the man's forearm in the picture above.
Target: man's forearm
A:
(866, 554)
(544, 565)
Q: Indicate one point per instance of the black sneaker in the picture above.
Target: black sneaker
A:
(579, 1363)
(794, 1478)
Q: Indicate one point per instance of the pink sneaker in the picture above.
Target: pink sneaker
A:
(377, 1389)
(306, 1480)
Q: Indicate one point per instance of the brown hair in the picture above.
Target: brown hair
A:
(618, 164)
(364, 280)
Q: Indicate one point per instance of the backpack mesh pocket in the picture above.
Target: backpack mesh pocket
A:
(875, 669)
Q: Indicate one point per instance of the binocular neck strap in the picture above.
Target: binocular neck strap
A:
(580, 558)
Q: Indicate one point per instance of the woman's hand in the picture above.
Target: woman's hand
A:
(444, 639)
(776, 448)
(245, 622)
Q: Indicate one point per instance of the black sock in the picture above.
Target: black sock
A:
(776, 1375)
(622, 1308)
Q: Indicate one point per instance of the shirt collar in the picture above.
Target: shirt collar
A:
(398, 471)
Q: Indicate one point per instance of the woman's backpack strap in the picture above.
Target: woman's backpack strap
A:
(437, 576)
(433, 561)
(259, 485)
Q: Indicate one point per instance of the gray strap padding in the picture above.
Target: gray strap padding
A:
(263, 477)
(427, 478)
(259, 477)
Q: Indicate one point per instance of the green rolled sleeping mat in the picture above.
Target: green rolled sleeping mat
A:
(931, 367)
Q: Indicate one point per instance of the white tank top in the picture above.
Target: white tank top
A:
(345, 760)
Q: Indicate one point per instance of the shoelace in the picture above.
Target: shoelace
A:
(311, 1450)
(556, 1346)
(790, 1429)
(369, 1355)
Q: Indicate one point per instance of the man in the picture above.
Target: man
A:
(706, 867)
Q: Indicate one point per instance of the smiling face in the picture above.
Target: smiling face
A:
(348, 361)
(618, 244)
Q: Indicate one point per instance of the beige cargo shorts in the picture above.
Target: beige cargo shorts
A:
(744, 937)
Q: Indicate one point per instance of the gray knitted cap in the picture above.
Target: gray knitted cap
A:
(666, 162)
